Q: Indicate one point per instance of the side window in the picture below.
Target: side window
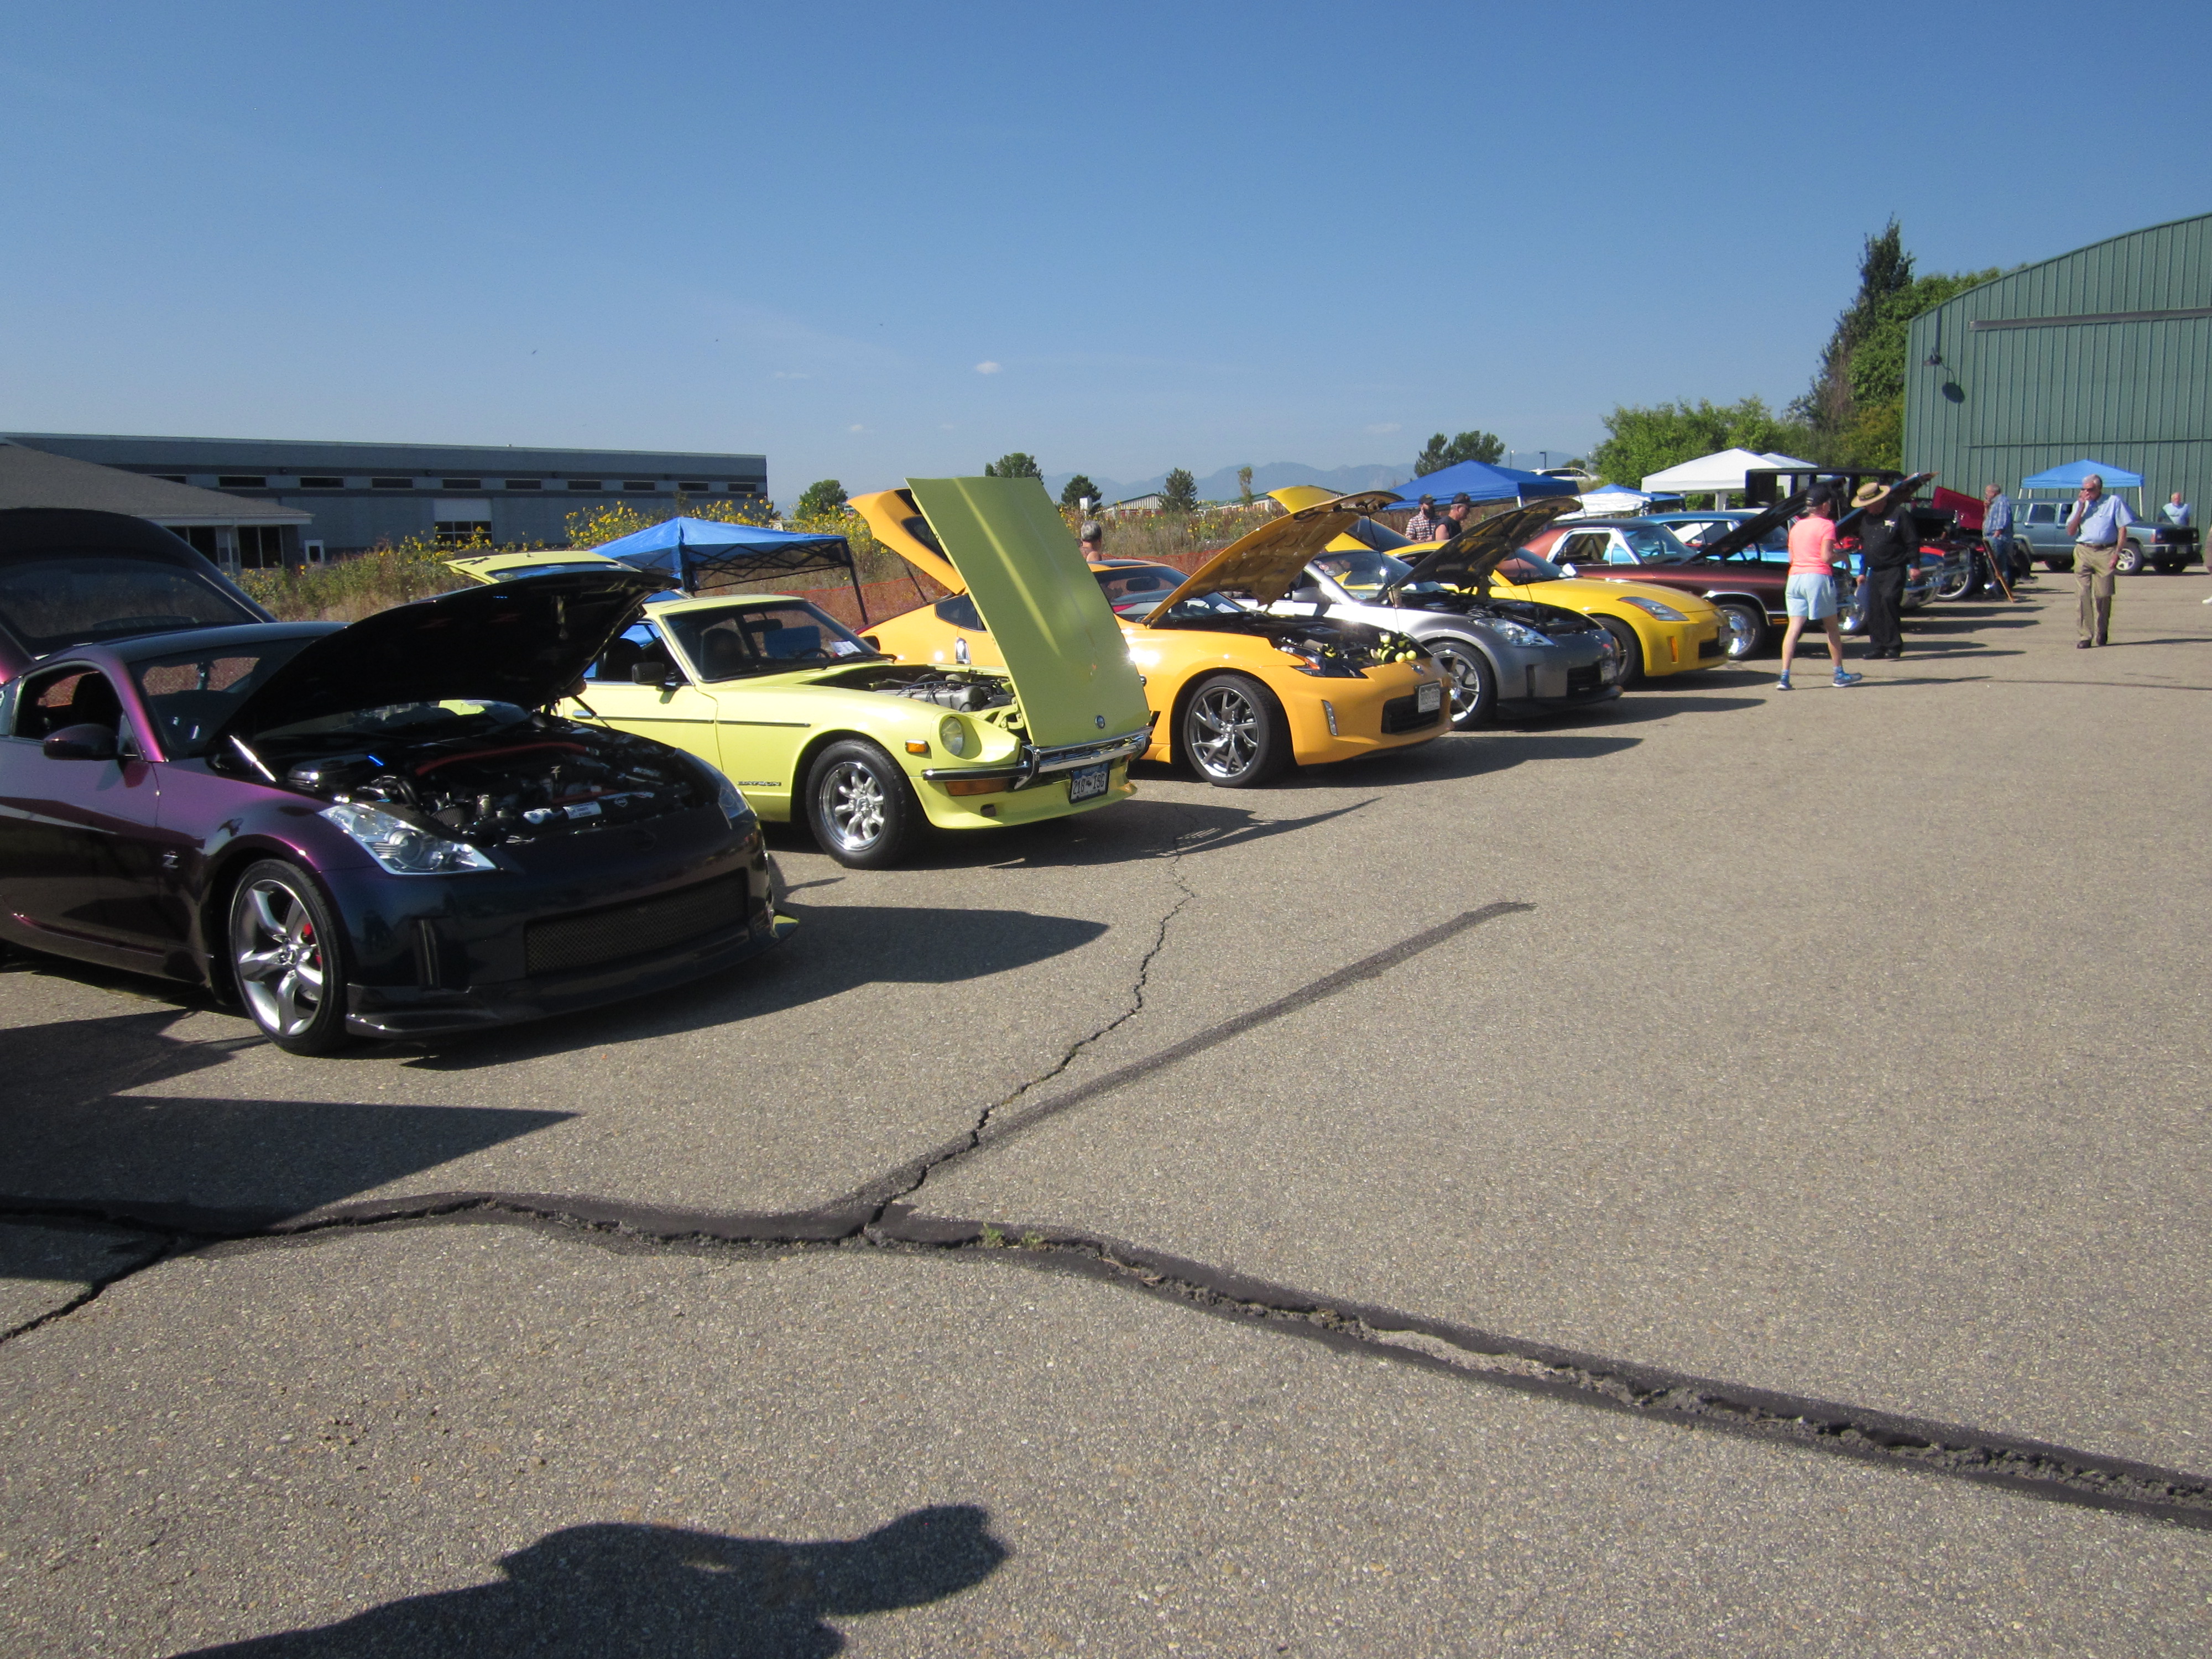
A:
(960, 611)
(1617, 550)
(618, 664)
(1585, 547)
(65, 696)
(2043, 513)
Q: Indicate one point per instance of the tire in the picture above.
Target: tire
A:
(1955, 584)
(1745, 626)
(1631, 649)
(1473, 681)
(288, 958)
(2059, 567)
(860, 807)
(2128, 562)
(1232, 732)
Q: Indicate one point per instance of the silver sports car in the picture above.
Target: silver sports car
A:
(1504, 656)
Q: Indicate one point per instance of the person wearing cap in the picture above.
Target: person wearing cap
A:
(1887, 547)
(1427, 524)
(2099, 523)
(1811, 590)
(1456, 516)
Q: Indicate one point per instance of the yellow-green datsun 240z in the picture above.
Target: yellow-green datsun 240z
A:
(811, 724)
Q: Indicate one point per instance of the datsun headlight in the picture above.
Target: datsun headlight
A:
(403, 848)
(953, 732)
(1514, 633)
(1653, 608)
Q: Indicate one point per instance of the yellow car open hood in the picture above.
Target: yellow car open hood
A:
(1266, 563)
(1003, 542)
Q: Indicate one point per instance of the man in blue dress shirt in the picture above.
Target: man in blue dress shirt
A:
(2098, 524)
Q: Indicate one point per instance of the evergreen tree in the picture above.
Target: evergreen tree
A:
(1013, 465)
(1078, 487)
(1441, 453)
(1180, 493)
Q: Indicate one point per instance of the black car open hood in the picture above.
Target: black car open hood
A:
(1466, 560)
(1749, 532)
(524, 641)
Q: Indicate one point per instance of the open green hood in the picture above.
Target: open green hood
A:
(1062, 647)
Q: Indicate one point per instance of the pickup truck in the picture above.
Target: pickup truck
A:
(2164, 547)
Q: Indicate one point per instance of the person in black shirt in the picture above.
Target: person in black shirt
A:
(1888, 547)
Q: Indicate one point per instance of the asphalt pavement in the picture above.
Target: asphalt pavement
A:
(1721, 1172)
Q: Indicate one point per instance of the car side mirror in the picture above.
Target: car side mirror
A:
(1566, 571)
(86, 742)
(652, 673)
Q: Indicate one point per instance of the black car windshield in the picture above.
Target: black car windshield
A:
(190, 694)
(1195, 607)
(735, 640)
(1362, 574)
(49, 604)
(1526, 567)
(1134, 589)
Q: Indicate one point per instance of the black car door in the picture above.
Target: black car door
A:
(78, 856)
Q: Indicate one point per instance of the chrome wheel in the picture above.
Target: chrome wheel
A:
(1225, 728)
(1473, 691)
(1746, 631)
(279, 955)
(851, 798)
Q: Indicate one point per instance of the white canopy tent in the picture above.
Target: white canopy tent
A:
(1715, 475)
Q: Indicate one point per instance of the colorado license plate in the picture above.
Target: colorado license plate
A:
(1429, 699)
(1086, 781)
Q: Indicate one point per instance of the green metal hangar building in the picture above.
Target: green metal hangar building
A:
(2103, 354)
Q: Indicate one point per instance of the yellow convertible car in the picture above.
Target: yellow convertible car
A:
(1660, 631)
(1238, 693)
(812, 724)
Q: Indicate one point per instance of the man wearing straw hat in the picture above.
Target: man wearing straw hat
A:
(1888, 547)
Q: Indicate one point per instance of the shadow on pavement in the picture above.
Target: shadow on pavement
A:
(74, 1137)
(612, 1591)
(1480, 754)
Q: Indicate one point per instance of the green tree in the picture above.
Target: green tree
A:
(1640, 441)
(1076, 490)
(823, 499)
(1441, 452)
(1013, 465)
(1245, 485)
(1179, 494)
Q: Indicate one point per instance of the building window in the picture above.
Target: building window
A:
(585, 483)
(460, 532)
(524, 483)
(639, 483)
(464, 483)
(689, 484)
(168, 478)
(322, 483)
(202, 538)
(240, 481)
(260, 547)
(391, 483)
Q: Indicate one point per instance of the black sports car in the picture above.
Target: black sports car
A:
(377, 829)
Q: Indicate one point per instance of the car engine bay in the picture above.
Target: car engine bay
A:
(1329, 647)
(968, 690)
(514, 781)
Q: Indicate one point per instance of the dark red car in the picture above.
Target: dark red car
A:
(1747, 589)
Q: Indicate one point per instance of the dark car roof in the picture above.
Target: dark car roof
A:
(141, 646)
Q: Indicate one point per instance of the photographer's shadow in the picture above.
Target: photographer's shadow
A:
(611, 1591)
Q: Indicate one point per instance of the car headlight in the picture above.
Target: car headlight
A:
(1514, 633)
(1653, 608)
(953, 734)
(402, 848)
(736, 809)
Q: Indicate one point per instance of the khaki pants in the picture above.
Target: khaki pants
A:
(2092, 574)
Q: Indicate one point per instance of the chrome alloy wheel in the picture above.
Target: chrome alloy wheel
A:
(277, 956)
(852, 800)
(1742, 633)
(1458, 661)
(1226, 726)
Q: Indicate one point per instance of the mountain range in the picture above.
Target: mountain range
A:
(1222, 486)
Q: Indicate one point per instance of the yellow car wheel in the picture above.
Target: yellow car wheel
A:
(1631, 649)
(1234, 735)
(860, 807)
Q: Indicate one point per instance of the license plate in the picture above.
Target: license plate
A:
(1429, 699)
(1086, 781)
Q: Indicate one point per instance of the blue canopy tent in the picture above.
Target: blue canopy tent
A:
(1479, 481)
(693, 550)
(2070, 476)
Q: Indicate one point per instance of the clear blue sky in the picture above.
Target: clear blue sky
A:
(876, 240)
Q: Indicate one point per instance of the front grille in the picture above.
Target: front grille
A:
(1404, 714)
(1580, 680)
(1716, 647)
(567, 943)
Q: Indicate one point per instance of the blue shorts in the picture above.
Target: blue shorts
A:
(1813, 598)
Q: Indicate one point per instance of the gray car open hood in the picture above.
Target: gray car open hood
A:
(1466, 560)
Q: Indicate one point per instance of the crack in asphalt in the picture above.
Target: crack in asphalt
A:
(2037, 1469)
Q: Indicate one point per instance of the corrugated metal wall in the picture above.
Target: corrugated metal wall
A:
(2004, 403)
